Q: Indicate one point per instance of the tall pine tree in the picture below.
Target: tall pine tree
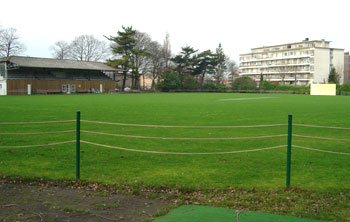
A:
(123, 46)
(333, 76)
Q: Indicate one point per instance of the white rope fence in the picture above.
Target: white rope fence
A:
(324, 127)
(211, 138)
(321, 138)
(323, 151)
(178, 138)
(39, 133)
(180, 153)
(42, 122)
(173, 138)
(189, 127)
(174, 153)
(40, 145)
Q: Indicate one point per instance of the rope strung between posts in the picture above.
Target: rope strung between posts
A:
(321, 138)
(324, 127)
(174, 138)
(43, 122)
(323, 151)
(39, 133)
(190, 127)
(40, 145)
(179, 153)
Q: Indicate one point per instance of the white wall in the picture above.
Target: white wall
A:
(3, 88)
(321, 71)
(338, 63)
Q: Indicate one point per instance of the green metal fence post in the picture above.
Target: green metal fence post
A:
(78, 147)
(289, 149)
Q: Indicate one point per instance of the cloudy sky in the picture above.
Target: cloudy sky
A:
(238, 25)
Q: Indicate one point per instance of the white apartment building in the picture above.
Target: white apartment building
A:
(299, 63)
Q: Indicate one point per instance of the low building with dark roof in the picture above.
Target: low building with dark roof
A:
(29, 75)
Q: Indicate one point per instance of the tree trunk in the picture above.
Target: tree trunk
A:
(202, 80)
(153, 86)
(124, 80)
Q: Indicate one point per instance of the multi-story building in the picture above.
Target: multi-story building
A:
(231, 77)
(299, 63)
(346, 67)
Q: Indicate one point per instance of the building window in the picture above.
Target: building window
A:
(64, 88)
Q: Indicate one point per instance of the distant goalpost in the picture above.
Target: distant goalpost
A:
(323, 89)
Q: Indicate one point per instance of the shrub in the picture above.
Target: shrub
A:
(343, 89)
(268, 85)
(221, 87)
(169, 81)
(209, 87)
(244, 83)
(213, 87)
(189, 83)
(286, 88)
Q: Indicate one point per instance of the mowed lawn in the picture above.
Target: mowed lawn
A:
(264, 169)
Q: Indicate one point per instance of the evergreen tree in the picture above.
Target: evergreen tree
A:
(333, 76)
(205, 64)
(123, 46)
(185, 62)
(221, 67)
(261, 80)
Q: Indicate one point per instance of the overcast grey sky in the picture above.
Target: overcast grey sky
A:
(237, 25)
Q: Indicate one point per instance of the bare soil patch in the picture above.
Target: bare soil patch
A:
(24, 202)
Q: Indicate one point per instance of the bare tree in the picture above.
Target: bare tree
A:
(88, 48)
(139, 57)
(9, 43)
(157, 61)
(166, 50)
(224, 69)
(232, 70)
(61, 50)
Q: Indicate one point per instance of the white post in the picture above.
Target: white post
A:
(29, 89)
(6, 71)
(3, 90)
(101, 88)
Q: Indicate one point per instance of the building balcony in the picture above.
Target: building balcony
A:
(277, 73)
(278, 58)
(275, 65)
(284, 80)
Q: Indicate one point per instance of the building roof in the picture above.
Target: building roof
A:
(57, 63)
(304, 41)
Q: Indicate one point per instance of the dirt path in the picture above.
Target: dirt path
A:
(22, 202)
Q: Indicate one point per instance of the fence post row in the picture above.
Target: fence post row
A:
(78, 147)
(289, 149)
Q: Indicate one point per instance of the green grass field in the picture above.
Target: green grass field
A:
(311, 170)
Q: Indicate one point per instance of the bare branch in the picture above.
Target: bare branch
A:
(61, 50)
(88, 48)
(9, 43)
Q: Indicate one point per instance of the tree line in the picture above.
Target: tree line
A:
(139, 57)
(136, 53)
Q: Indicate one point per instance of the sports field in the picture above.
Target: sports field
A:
(183, 153)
